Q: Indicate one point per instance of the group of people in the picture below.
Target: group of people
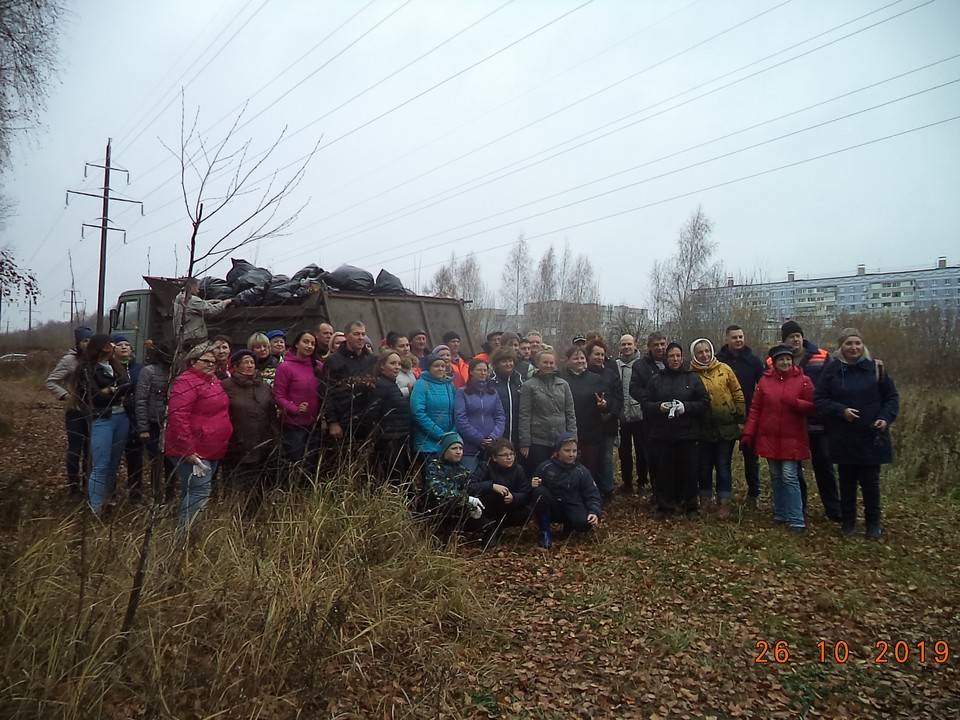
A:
(484, 443)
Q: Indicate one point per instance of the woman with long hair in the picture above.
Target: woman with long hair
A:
(388, 420)
(409, 367)
(103, 384)
(610, 404)
(591, 404)
(479, 413)
(295, 390)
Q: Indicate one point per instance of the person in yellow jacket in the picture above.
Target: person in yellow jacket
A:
(721, 428)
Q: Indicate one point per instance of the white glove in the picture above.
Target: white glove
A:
(476, 507)
(200, 468)
(672, 413)
(678, 407)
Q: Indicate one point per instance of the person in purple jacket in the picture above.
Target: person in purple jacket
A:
(295, 392)
(478, 413)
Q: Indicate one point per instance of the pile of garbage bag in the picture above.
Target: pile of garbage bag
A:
(252, 286)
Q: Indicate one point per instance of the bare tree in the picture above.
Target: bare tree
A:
(28, 46)
(14, 280)
(515, 278)
(461, 279)
(224, 175)
(678, 278)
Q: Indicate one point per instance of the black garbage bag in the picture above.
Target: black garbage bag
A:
(283, 293)
(310, 272)
(240, 268)
(251, 297)
(243, 276)
(212, 288)
(349, 279)
(389, 284)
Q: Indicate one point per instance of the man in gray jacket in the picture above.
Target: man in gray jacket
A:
(631, 427)
(60, 383)
(190, 313)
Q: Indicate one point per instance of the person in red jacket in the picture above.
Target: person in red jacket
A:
(776, 429)
(198, 429)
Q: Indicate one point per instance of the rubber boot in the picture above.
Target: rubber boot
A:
(546, 539)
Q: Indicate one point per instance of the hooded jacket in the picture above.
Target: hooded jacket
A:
(857, 385)
(546, 410)
(61, 379)
(681, 384)
(151, 396)
(479, 415)
(812, 360)
(777, 425)
(489, 473)
(432, 405)
(570, 484)
(727, 408)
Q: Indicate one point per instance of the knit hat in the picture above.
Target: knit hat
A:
(438, 348)
(429, 359)
(562, 438)
(789, 328)
(778, 350)
(449, 439)
(450, 335)
(240, 355)
(847, 333)
(82, 333)
(693, 354)
(197, 350)
(119, 339)
(415, 332)
(275, 334)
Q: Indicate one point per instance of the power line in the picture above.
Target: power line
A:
(655, 177)
(680, 196)
(409, 100)
(341, 235)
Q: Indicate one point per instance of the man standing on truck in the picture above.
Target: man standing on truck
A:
(348, 377)
(190, 313)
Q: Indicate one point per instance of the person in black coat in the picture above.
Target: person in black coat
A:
(346, 381)
(599, 364)
(388, 420)
(507, 381)
(590, 404)
(674, 401)
(649, 364)
(503, 488)
(858, 402)
(564, 492)
(749, 369)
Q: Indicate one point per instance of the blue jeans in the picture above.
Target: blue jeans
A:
(108, 436)
(787, 502)
(717, 455)
(195, 489)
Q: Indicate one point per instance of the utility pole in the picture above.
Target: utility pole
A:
(74, 314)
(104, 222)
(29, 312)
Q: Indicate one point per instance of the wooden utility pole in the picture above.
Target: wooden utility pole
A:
(104, 225)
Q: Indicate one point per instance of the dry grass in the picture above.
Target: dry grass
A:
(317, 605)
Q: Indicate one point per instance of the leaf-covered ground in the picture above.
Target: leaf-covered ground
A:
(716, 618)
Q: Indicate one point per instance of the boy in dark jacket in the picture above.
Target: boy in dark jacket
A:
(564, 491)
(448, 500)
(503, 488)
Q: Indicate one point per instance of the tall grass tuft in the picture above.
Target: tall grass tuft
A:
(319, 604)
(926, 441)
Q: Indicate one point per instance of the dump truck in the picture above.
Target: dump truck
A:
(147, 314)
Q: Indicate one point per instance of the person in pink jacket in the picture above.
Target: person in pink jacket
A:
(198, 429)
(295, 392)
(776, 429)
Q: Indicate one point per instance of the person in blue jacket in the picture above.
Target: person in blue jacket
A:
(432, 405)
(858, 402)
(564, 492)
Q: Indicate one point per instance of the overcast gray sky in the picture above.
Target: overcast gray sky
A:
(816, 134)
